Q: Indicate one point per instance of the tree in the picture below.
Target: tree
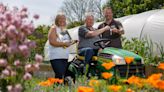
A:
(40, 36)
(75, 10)
(15, 49)
(127, 7)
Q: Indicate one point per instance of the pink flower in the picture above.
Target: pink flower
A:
(3, 63)
(24, 9)
(12, 28)
(31, 28)
(32, 67)
(2, 8)
(6, 72)
(36, 16)
(18, 88)
(11, 32)
(17, 22)
(30, 44)
(8, 15)
(27, 76)
(10, 88)
(24, 50)
(23, 14)
(27, 28)
(13, 47)
(36, 66)
(4, 24)
(17, 63)
(28, 68)
(2, 18)
(38, 58)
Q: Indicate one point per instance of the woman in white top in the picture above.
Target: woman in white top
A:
(59, 42)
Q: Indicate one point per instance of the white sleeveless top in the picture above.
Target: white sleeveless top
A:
(58, 52)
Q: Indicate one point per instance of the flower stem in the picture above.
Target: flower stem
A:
(127, 72)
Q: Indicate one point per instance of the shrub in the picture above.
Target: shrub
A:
(15, 49)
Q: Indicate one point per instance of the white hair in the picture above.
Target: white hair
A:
(88, 14)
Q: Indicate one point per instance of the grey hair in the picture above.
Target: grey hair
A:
(89, 14)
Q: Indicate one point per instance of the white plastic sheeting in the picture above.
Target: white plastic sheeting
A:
(150, 24)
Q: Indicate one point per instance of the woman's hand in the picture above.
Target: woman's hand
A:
(74, 41)
(67, 44)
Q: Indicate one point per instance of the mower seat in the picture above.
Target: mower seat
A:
(94, 58)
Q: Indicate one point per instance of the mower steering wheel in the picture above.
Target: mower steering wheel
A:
(101, 43)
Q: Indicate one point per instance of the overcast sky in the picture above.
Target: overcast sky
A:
(47, 9)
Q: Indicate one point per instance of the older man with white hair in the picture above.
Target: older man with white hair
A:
(87, 36)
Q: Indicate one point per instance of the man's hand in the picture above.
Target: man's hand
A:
(107, 28)
(100, 50)
(119, 31)
(115, 30)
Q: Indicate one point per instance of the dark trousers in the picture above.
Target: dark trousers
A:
(59, 66)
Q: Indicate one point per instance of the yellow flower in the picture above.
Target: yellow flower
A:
(106, 75)
(85, 89)
(108, 66)
(129, 59)
(114, 88)
(94, 83)
(161, 66)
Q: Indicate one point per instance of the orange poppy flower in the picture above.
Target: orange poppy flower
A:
(161, 66)
(55, 80)
(46, 83)
(160, 84)
(51, 81)
(135, 80)
(85, 89)
(108, 66)
(94, 83)
(114, 88)
(106, 75)
(129, 90)
(129, 59)
(154, 78)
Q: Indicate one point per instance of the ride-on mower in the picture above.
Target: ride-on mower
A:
(106, 55)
